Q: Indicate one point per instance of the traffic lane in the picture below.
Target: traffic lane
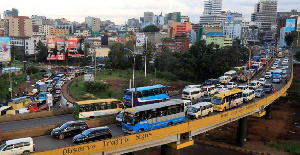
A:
(44, 143)
(60, 119)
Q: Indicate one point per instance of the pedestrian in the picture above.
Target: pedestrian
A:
(285, 80)
(273, 90)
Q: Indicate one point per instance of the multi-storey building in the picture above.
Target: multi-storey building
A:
(12, 12)
(265, 15)
(232, 30)
(58, 32)
(18, 26)
(181, 29)
(212, 13)
(177, 45)
(37, 20)
(149, 17)
(133, 22)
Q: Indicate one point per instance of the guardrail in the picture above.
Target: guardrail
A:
(138, 141)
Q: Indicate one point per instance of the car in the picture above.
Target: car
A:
(268, 88)
(259, 93)
(283, 70)
(283, 75)
(275, 65)
(243, 87)
(272, 69)
(93, 134)
(268, 75)
(254, 84)
(211, 81)
(221, 88)
(231, 85)
(17, 146)
(119, 118)
(192, 86)
(277, 59)
(285, 66)
(68, 78)
(262, 81)
(69, 129)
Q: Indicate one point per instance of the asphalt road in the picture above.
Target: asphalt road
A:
(47, 142)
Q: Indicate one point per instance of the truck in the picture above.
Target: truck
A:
(41, 86)
(245, 76)
(41, 97)
(35, 107)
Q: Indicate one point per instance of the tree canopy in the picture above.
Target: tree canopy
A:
(151, 28)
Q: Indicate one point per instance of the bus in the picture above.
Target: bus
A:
(145, 95)
(228, 99)
(286, 53)
(17, 103)
(4, 109)
(96, 108)
(153, 116)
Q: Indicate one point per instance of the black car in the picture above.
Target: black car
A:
(268, 88)
(69, 129)
(93, 134)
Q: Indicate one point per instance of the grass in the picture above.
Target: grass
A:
(291, 147)
(77, 90)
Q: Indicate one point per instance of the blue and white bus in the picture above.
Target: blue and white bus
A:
(145, 95)
(153, 116)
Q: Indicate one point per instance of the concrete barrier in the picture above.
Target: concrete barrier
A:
(19, 117)
(46, 130)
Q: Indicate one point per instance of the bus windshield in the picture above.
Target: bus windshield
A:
(245, 95)
(217, 100)
(127, 120)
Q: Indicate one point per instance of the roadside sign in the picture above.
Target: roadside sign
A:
(28, 78)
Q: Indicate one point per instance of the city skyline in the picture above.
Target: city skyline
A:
(119, 11)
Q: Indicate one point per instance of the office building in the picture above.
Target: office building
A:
(175, 16)
(212, 14)
(18, 26)
(149, 17)
(93, 23)
(37, 20)
(133, 22)
(265, 15)
(12, 12)
(182, 29)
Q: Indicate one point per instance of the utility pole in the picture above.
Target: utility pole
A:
(146, 58)
(95, 65)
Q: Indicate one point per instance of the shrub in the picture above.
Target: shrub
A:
(88, 97)
(96, 86)
(32, 70)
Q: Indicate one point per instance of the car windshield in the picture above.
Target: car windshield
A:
(205, 100)
(2, 146)
(185, 93)
(86, 132)
(217, 101)
(262, 80)
(245, 95)
(64, 126)
(192, 110)
(267, 86)
(258, 91)
(251, 84)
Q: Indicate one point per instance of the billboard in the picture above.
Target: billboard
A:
(5, 54)
(140, 39)
(290, 25)
(56, 49)
(76, 47)
(298, 24)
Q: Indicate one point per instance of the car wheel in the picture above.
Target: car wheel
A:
(26, 152)
(141, 130)
(170, 124)
(61, 136)
(209, 113)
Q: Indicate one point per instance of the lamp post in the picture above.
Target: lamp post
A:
(146, 58)
(34, 50)
(133, 65)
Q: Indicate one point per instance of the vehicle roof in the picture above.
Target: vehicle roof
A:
(4, 107)
(146, 88)
(258, 89)
(97, 101)
(199, 104)
(98, 128)
(229, 72)
(27, 139)
(254, 81)
(224, 76)
(248, 91)
(153, 106)
(191, 89)
(208, 86)
(74, 122)
(230, 92)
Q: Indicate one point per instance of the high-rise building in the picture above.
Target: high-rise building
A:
(37, 20)
(212, 14)
(93, 23)
(133, 22)
(159, 20)
(18, 26)
(12, 12)
(185, 19)
(265, 14)
(149, 17)
(176, 16)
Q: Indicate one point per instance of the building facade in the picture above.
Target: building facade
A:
(177, 45)
(149, 17)
(18, 26)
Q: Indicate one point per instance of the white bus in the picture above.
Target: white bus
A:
(192, 93)
(200, 109)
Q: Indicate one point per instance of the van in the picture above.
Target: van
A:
(248, 95)
(17, 146)
(232, 74)
(209, 90)
(192, 86)
(224, 79)
(72, 75)
(254, 84)
(192, 93)
(200, 109)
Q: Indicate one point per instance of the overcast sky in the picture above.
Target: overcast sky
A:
(119, 11)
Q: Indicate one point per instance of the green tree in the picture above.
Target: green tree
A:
(289, 39)
(41, 52)
(297, 56)
(151, 28)
(118, 57)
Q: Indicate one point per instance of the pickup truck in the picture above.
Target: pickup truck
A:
(35, 107)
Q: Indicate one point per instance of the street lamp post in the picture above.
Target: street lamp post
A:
(146, 58)
(133, 65)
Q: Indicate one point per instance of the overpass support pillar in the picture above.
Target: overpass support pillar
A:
(269, 110)
(241, 132)
(166, 150)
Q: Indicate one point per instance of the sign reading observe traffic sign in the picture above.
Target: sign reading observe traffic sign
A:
(28, 78)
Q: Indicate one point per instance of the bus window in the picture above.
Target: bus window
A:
(108, 105)
(102, 106)
(149, 114)
(154, 114)
(81, 108)
(120, 105)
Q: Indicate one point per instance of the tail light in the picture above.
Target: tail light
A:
(33, 147)
(87, 125)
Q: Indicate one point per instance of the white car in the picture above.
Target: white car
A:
(275, 65)
(285, 66)
(221, 88)
(268, 75)
(262, 81)
(243, 87)
(283, 70)
(272, 69)
(231, 85)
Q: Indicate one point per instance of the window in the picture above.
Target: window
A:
(9, 147)
(26, 143)
(18, 145)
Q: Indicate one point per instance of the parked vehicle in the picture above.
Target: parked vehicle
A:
(254, 84)
(200, 109)
(259, 93)
(17, 146)
(243, 87)
(224, 79)
(209, 90)
(69, 129)
(211, 81)
(35, 107)
(248, 95)
(192, 93)
(268, 88)
(93, 134)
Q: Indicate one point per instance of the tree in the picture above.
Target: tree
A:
(297, 56)
(151, 28)
(118, 57)
(41, 52)
(289, 39)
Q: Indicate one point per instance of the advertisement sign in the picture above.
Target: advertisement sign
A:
(76, 47)
(229, 17)
(88, 77)
(140, 39)
(56, 49)
(290, 25)
(298, 24)
(5, 49)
